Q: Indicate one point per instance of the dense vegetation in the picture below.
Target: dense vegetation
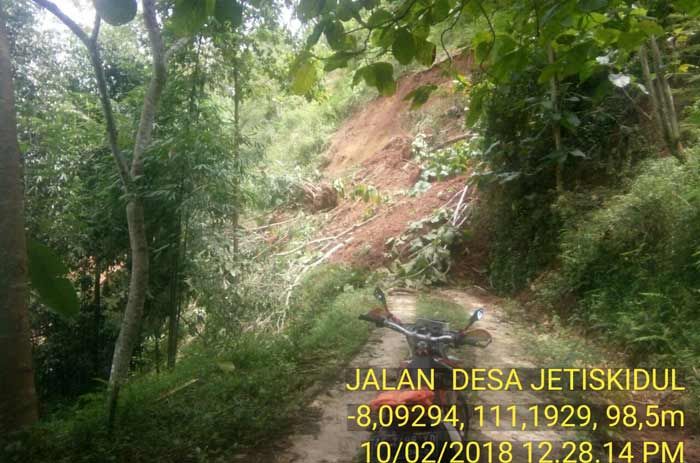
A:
(154, 152)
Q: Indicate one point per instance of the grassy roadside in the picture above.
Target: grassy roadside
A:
(216, 401)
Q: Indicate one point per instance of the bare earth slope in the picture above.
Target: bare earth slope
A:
(372, 149)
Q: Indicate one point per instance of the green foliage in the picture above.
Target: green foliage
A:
(321, 285)
(291, 132)
(366, 193)
(229, 11)
(423, 253)
(190, 16)
(516, 167)
(221, 398)
(305, 76)
(443, 163)
(420, 95)
(439, 308)
(48, 277)
(378, 75)
(633, 265)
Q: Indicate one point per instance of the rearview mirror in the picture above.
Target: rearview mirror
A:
(379, 295)
(477, 315)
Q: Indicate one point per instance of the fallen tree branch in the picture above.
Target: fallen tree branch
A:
(452, 141)
(327, 238)
(459, 205)
(263, 227)
(305, 269)
(177, 389)
(302, 246)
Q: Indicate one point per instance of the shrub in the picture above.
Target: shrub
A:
(219, 398)
(634, 265)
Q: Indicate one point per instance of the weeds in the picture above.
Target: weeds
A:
(220, 398)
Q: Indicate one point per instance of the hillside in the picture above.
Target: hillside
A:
(371, 157)
(212, 211)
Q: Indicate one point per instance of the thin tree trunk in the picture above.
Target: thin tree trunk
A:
(97, 318)
(131, 323)
(666, 98)
(556, 127)
(18, 403)
(236, 153)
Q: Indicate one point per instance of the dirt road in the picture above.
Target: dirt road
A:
(330, 441)
(327, 439)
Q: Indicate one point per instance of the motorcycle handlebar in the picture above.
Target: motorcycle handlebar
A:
(458, 338)
(421, 337)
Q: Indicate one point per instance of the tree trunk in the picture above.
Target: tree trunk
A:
(18, 403)
(97, 318)
(556, 127)
(237, 158)
(131, 323)
(666, 98)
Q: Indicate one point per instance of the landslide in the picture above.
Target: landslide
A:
(372, 151)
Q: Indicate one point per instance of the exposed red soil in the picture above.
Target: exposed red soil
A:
(373, 147)
(372, 128)
(367, 247)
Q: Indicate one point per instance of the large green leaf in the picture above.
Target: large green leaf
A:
(425, 52)
(335, 35)
(190, 15)
(304, 76)
(315, 34)
(378, 75)
(379, 18)
(440, 10)
(420, 95)
(338, 60)
(383, 38)
(630, 41)
(229, 11)
(404, 46)
(47, 275)
(116, 12)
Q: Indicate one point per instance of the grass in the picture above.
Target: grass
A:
(215, 403)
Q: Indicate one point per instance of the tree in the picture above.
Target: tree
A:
(131, 177)
(567, 41)
(18, 404)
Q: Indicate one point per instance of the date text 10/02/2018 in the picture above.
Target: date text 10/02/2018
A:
(523, 452)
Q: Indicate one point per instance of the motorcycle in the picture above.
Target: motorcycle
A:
(429, 342)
